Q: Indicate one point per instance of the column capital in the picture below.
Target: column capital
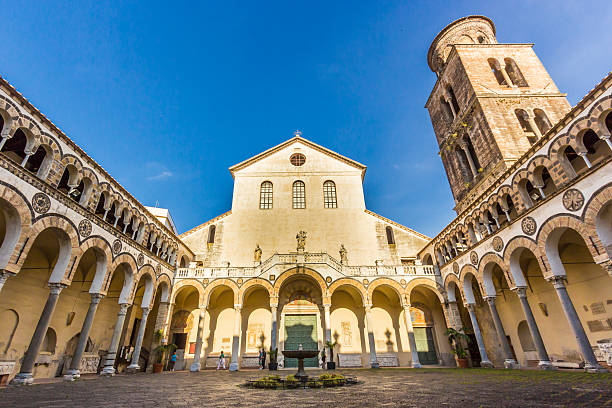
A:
(145, 310)
(367, 306)
(96, 297)
(521, 291)
(470, 306)
(327, 305)
(56, 288)
(123, 307)
(558, 281)
(406, 306)
(490, 299)
(237, 307)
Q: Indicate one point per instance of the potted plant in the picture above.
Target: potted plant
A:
(331, 364)
(160, 352)
(273, 365)
(456, 339)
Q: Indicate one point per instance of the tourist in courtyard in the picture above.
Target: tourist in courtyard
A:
(221, 362)
(263, 358)
(323, 358)
(172, 361)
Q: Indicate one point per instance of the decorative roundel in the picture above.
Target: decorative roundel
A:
(117, 246)
(84, 228)
(403, 282)
(573, 200)
(297, 159)
(474, 258)
(328, 279)
(41, 203)
(529, 225)
(140, 259)
(456, 268)
(240, 281)
(365, 281)
(158, 270)
(498, 244)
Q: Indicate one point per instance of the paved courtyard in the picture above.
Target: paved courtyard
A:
(384, 387)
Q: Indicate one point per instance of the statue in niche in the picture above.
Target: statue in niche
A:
(343, 257)
(301, 240)
(257, 254)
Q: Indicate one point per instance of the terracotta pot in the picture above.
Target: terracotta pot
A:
(462, 362)
(158, 368)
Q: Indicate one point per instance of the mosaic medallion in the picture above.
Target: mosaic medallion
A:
(365, 281)
(204, 282)
(117, 246)
(272, 277)
(474, 258)
(41, 203)
(573, 200)
(529, 225)
(403, 282)
(140, 259)
(328, 279)
(498, 244)
(84, 228)
(240, 281)
(456, 268)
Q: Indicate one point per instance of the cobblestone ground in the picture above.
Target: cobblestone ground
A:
(383, 387)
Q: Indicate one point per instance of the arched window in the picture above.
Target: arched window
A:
(497, 71)
(464, 165)
(525, 338)
(35, 162)
(515, 73)
(453, 99)
(265, 196)
(211, 234)
(100, 207)
(470, 147)
(14, 147)
(299, 194)
(542, 121)
(329, 194)
(49, 341)
(575, 161)
(446, 108)
(597, 149)
(390, 236)
(543, 181)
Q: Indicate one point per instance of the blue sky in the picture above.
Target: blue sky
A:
(167, 98)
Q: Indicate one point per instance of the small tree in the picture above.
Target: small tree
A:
(273, 355)
(330, 345)
(455, 338)
(160, 352)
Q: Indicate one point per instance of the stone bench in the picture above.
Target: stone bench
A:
(387, 360)
(346, 360)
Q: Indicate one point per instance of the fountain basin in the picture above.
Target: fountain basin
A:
(300, 355)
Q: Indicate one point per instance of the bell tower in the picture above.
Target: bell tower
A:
(490, 104)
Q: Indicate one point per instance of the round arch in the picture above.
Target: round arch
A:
(184, 283)
(430, 284)
(217, 283)
(485, 271)
(300, 271)
(349, 282)
(387, 282)
(251, 284)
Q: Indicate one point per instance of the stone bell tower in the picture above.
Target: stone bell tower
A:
(490, 104)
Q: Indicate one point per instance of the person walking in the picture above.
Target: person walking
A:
(323, 358)
(263, 359)
(172, 361)
(221, 362)
(260, 359)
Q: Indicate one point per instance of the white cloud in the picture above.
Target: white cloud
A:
(165, 174)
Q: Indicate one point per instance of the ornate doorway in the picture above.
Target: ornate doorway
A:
(301, 329)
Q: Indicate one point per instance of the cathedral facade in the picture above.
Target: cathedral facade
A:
(92, 281)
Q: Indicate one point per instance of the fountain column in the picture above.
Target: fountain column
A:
(371, 342)
(236, 339)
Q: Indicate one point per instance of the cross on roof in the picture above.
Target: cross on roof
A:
(297, 133)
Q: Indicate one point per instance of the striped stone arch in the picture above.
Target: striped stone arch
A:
(90, 174)
(560, 164)
(48, 140)
(378, 282)
(579, 127)
(520, 175)
(349, 282)
(484, 273)
(41, 224)
(450, 294)
(162, 280)
(27, 123)
(301, 271)
(98, 243)
(562, 221)
(428, 283)
(124, 258)
(14, 199)
(596, 203)
(10, 113)
(252, 283)
(544, 161)
(599, 110)
(194, 283)
(218, 283)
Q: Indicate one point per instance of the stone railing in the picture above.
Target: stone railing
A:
(302, 259)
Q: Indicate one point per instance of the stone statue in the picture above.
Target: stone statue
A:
(343, 258)
(301, 240)
(257, 253)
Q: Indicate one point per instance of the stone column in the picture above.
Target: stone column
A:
(327, 313)
(509, 361)
(416, 363)
(484, 362)
(236, 339)
(134, 366)
(274, 327)
(109, 362)
(196, 365)
(585, 158)
(29, 358)
(74, 372)
(507, 77)
(4, 275)
(3, 141)
(544, 363)
(591, 364)
(470, 160)
(371, 342)
(534, 127)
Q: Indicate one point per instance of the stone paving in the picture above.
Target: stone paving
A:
(383, 387)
